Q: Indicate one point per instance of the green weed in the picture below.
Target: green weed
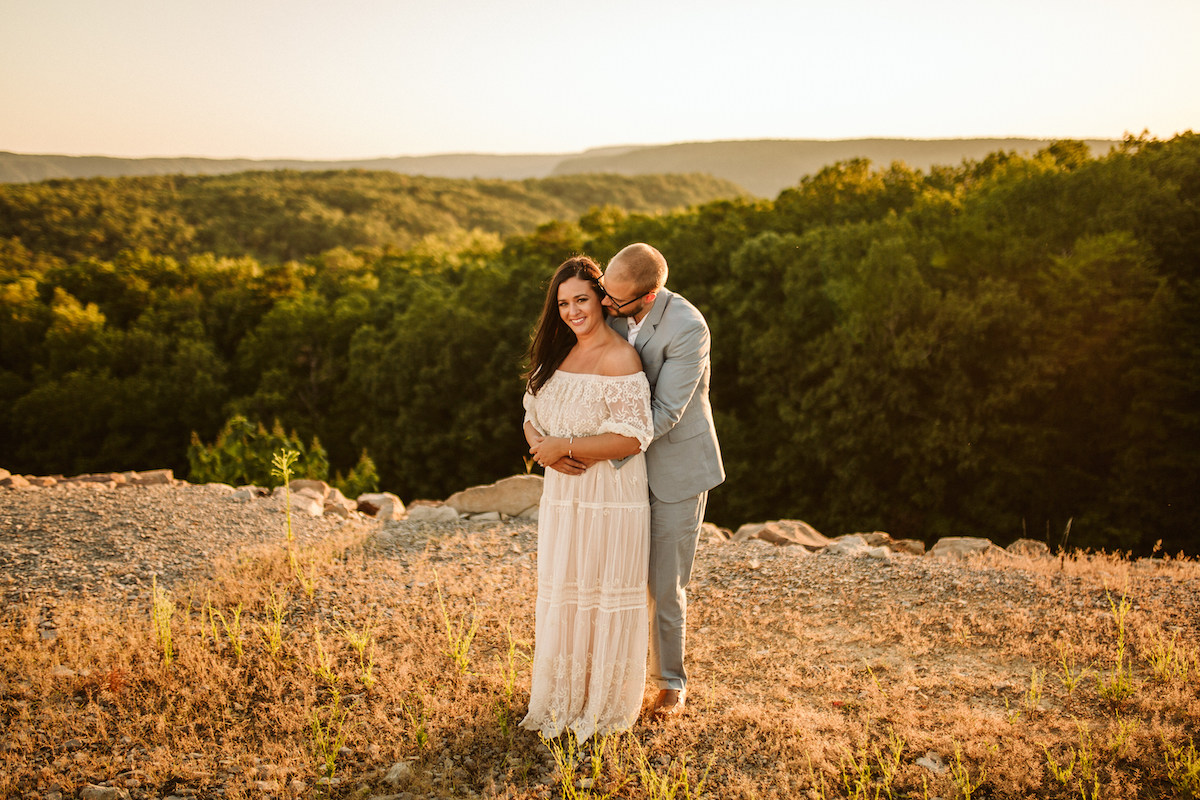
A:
(1071, 677)
(272, 630)
(233, 630)
(307, 582)
(868, 774)
(1119, 741)
(1079, 773)
(1033, 695)
(675, 782)
(281, 467)
(329, 737)
(565, 752)
(508, 664)
(323, 668)
(162, 609)
(1183, 768)
(1169, 661)
(418, 720)
(1118, 686)
(960, 775)
(363, 643)
(459, 633)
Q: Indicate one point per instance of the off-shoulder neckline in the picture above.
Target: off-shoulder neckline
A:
(598, 375)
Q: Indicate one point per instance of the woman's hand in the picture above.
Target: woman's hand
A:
(549, 449)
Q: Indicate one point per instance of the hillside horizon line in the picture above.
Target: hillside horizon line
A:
(763, 167)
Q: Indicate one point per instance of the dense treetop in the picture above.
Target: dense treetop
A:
(991, 348)
(277, 216)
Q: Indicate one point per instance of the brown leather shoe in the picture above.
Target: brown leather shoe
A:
(670, 703)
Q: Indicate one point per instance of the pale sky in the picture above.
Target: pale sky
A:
(368, 78)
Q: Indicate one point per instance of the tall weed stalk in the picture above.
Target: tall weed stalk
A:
(459, 633)
(162, 609)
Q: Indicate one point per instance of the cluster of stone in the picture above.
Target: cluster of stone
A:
(517, 497)
(876, 544)
(94, 480)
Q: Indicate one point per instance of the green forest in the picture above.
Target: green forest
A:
(994, 348)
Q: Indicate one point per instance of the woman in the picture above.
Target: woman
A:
(588, 399)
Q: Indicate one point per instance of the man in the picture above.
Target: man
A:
(684, 460)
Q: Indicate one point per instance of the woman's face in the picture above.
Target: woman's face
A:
(579, 306)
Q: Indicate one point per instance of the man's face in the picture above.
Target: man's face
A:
(621, 296)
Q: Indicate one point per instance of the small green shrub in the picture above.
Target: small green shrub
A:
(362, 479)
(243, 454)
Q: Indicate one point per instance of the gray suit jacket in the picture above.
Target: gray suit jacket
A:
(684, 458)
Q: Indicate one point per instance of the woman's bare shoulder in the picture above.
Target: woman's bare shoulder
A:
(620, 359)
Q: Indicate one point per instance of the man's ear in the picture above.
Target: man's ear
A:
(650, 296)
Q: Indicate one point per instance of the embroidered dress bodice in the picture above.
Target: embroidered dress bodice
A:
(578, 404)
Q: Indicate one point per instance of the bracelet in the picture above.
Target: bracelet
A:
(569, 444)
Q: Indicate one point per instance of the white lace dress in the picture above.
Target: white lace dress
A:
(589, 660)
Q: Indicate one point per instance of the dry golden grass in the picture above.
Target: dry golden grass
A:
(812, 676)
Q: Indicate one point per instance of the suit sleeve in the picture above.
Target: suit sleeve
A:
(684, 362)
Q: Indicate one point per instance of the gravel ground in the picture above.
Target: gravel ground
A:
(79, 540)
(73, 541)
(88, 541)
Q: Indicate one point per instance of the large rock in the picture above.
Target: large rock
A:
(109, 479)
(334, 495)
(320, 487)
(431, 513)
(95, 792)
(14, 482)
(381, 505)
(4, 473)
(314, 494)
(338, 510)
(961, 547)
(398, 773)
(509, 496)
(852, 544)
(782, 531)
(914, 547)
(154, 477)
(306, 503)
(244, 493)
(88, 485)
(1030, 548)
(339, 505)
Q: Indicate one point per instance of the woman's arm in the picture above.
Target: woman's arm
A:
(532, 434)
(602, 446)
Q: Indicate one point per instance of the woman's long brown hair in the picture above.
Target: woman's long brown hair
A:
(553, 339)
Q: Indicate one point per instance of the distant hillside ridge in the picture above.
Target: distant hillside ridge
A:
(23, 168)
(763, 167)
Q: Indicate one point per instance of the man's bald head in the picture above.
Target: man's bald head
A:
(640, 266)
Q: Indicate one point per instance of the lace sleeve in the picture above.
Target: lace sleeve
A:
(628, 403)
(530, 403)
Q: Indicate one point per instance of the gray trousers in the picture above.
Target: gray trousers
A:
(674, 532)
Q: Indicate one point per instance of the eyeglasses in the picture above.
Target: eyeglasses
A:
(618, 306)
